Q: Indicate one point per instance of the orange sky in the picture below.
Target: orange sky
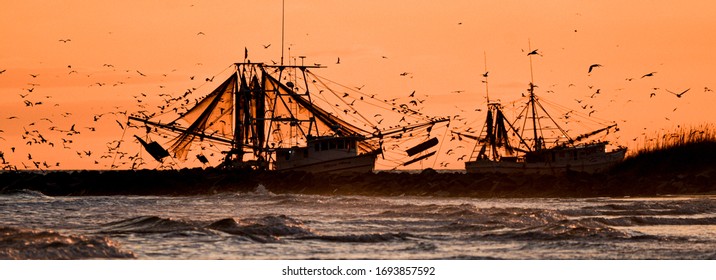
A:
(442, 45)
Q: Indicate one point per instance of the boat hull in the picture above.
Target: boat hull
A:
(589, 165)
(364, 163)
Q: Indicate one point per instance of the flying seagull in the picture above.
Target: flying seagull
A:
(534, 52)
(678, 94)
(648, 74)
(593, 66)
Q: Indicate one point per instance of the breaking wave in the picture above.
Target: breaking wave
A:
(25, 194)
(567, 230)
(266, 229)
(146, 224)
(263, 229)
(24, 244)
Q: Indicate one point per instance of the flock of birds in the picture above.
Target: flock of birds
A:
(56, 134)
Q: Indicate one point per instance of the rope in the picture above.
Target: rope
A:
(116, 151)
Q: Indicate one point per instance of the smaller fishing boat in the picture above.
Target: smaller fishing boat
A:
(535, 143)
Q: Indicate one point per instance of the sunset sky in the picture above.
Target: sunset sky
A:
(92, 57)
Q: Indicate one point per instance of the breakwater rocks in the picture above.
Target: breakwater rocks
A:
(625, 182)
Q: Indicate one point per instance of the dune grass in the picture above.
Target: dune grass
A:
(679, 150)
(684, 136)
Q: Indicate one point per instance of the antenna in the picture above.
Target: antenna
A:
(529, 48)
(487, 89)
(283, 25)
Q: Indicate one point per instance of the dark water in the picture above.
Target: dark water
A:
(262, 225)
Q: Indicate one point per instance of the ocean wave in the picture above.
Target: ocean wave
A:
(363, 238)
(422, 247)
(146, 224)
(565, 230)
(24, 244)
(432, 211)
(463, 225)
(264, 229)
(26, 194)
(647, 221)
(679, 207)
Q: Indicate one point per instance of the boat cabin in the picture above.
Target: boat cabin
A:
(559, 154)
(321, 147)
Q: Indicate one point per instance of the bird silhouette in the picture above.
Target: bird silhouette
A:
(266, 46)
(338, 61)
(591, 67)
(648, 75)
(534, 52)
(678, 94)
(64, 40)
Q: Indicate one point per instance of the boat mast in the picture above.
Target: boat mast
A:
(239, 126)
(537, 142)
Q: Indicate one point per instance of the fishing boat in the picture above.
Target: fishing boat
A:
(534, 143)
(266, 117)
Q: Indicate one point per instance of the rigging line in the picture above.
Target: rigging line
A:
(589, 118)
(523, 112)
(173, 103)
(323, 98)
(477, 142)
(344, 102)
(173, 161)
(116, 151)
(581, 118)
(320, 80)
(555, 123)
(397, 160)
(216, 74)
(393, 108)
(280, 96)
(440, 147)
